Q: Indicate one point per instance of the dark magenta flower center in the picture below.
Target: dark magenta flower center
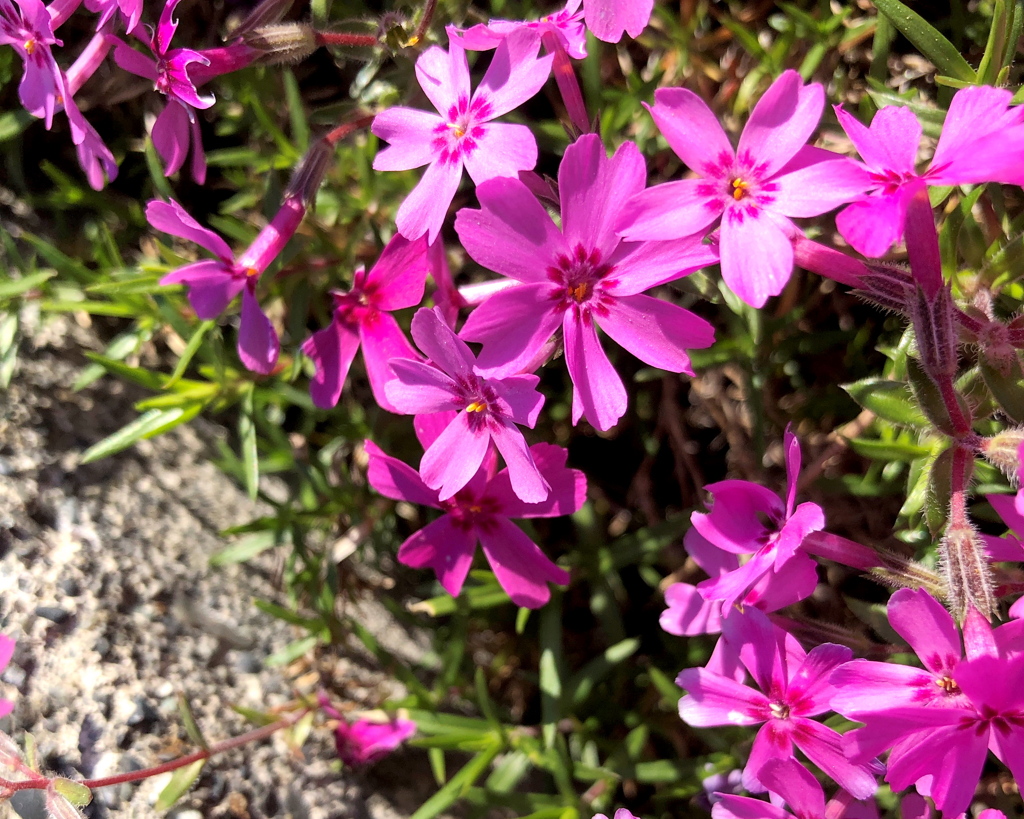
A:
(580, 281)
(460, 134)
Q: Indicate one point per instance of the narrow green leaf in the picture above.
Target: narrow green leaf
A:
(137, 375)
(146, 425)
(245, 549)
(187, 354)
(181, 781)
(189, 721)
(890, 400)
(583, 682)
(296, 111)
(15, 287)
(992, 60)
(927, 40)
(250, 454)
(293, 651)
(551, 663)
(437, 766)
(95, 308)
(254, 716)
(458, 784)
(1007, 388)
(61, 262)
(75, 792)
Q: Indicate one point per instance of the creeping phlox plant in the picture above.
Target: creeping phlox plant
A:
(810, 701)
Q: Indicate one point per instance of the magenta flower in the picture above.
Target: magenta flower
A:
(578, 277)
(977, 145)
(26, 26)
(481, 511)
(94, 156)
(947, 745)
(214, 283)
(488, 410)
(177, 126)
(755, 190)
(565, 25)
(364, 742)
(131, 12)
(745, 518)
(363, 316)
(688, 611)
(621, 813)
(788, 779)
(6, 652)
(464, 135)
(608, 19)
(793, 688)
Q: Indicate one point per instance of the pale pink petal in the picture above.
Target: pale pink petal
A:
(781, 122)
(429, 425)
(258, 345)
(440, 344)
(657, 332)
(444, 76)
(503, 150)
(714, 561)
(670, 210)
(526, 479)
(170, 217)
(819, 187)
(773, 741)
(593, 188)
(521, 567)
(973, 112)
(692, 130)
(444, 547)
(688, 613)
(331, 350)
(794, 581)
(515, 74)
(875, 224)
(425, 208)
(979, 638)
(717, 700)
(520, 399)
(731, 587)
(454, 457)
(734, 522)
(420, 388)
(398, 278)
(808, 517)
(640, 266)
(171, 136)
(607, 19)
(928, 627)
(890, 144)
(598, 392)
(757, 256)
(513, 325)
(568, 487)
(410, 136)
(396, 480)
(383, 342)
(211, 286)
(512, 234)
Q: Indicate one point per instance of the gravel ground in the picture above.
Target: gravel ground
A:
(105, 585)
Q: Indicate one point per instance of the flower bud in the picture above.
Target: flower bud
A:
(889, 286)
(282, 42)
(965, 565)
(309, 173)
(1004, 451)
(935, 330)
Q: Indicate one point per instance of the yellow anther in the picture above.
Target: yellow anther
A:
(579, 292)
(460, 132)
(30, 46)
(476, 406)
(739, 189)
(251, 271)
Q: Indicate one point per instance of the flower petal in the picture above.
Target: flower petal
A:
(890, 144)
(444, 76)
(692, 130)
(819, 187)
(502, 150)
(671, 210)
(513, 326)
(410, 136)
(383, 342)
(757, 256)
(598, 392)
(211, 285)
(456, 455)
(568, 487)
(171, 136)
(526, 479)
(717, 700)
(781, 122)
(657, 332)
(440, 344)
(398, 278)
(425, 208)
(522, 569)
(331, 351)
(928, 627)
(396, 480)
(875, 224)
(515, 74)
(420, 388)
(444, 547)
(172, 218)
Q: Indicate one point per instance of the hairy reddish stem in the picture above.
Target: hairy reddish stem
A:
(421, 29)
(344, 38)
(348, 128)
(42, 782)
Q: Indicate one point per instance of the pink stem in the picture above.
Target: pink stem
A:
(61, 10)
(89, 60)
(568, 85)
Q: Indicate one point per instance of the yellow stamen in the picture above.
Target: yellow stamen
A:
(739, 189)
(460, 132)
(948, 684)
(30, 46)
(251, 271)
(579, 292)
(476, 406)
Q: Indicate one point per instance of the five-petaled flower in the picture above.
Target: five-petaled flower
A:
(488, 410)
(463, 135)
(26, 26)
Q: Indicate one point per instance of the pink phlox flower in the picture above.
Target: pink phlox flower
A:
(609, 19)
(446, 295)
(215, 282)
(793, 688)
(754, 191)
(913, 806)
(27, 27)
(864, 686)
(579, 277)
(689, 613)
(565, 25)
(795, 786)
(747, 518)
(943, 748)
(481, 512)
(488, 410)
(94, 156)
(621, 813)
(6, 652)
(177, 127)
(365, 741)
(464, 134)
(362, 316)
(130, 11)
(978, 144)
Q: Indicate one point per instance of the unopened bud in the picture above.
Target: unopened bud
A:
(1005, 451)
(994, 344)
(965, 566)
(935, 330)
(309, 173)
(889, 286)
(282, 42)
(266, 13)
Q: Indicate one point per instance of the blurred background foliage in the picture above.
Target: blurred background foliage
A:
(571, 709)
